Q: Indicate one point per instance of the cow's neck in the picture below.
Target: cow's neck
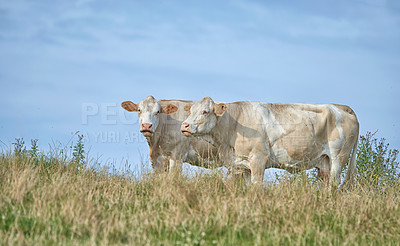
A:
(224, 131)
(154, 140)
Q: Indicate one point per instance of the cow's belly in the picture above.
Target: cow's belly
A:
(195, 159)
(295, 159)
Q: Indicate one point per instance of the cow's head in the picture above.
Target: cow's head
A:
(202, 117)
(149, 111)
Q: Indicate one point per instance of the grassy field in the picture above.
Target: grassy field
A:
(51, 201)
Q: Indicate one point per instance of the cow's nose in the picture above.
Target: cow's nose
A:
(185, 126)
(147, 127)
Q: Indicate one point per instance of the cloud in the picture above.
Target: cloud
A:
(62, 54)
(347, 23)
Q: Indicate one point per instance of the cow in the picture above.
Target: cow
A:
(254, 136)
(160, 123)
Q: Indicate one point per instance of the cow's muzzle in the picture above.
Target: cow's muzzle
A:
(146, 133)
(146, 130)
(185, 129)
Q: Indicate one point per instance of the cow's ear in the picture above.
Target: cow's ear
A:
(169, 109)
(130, 106)
(219, 109)
(187, 108)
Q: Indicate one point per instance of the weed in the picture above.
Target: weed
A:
(377, 164)
(34, 151)
(19, 147)
(78, 152)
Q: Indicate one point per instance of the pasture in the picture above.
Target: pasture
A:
(54, 198)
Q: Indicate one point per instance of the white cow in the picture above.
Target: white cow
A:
(160, 123)
(253, 136)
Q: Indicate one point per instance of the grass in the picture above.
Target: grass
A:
(50, 200)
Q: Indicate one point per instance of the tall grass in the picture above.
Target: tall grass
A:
(50, 200)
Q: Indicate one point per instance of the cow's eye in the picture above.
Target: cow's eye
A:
(139, 110)
(158, 112)
(205, 112)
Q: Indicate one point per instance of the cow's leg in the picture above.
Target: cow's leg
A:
(334, 178)
(257, 167)
(159, 164)
(242, 176)
(175, 166)
(247, 176)
(239, 174)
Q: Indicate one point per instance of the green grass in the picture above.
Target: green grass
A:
(55, 200)
(59, 203)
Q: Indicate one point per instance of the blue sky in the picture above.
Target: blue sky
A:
(62, 61)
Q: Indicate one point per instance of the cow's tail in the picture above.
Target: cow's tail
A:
(351, 170)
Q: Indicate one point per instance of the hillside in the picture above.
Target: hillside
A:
(47, 200)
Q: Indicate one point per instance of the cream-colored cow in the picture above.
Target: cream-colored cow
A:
(160, 123)
(253, 136)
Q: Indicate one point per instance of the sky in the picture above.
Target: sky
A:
(65, 66)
